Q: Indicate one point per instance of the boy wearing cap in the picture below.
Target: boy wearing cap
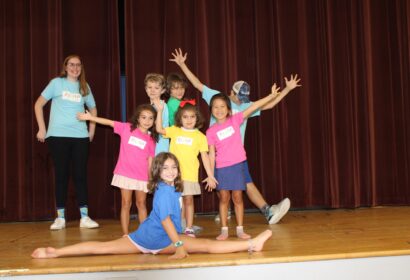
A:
(239, 97)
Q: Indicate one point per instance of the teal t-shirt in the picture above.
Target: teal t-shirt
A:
(173, 105)
(208, 93)
(66, 102)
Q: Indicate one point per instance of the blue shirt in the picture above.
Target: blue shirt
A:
(163, 143)
(66, 103)
(151, 234)
(207, 95)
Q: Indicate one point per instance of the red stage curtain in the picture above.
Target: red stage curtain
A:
(36, 35)
(342, 140)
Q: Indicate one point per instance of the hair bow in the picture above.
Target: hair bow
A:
(184, 102)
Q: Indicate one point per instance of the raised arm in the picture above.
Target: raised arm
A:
(169, 228)
(290, 85)
(38, 111)
(261, 102)
(158, 123)
(180, 59)
(87, 116)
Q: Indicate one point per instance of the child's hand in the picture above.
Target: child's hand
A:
(293, 82)
(274, 91)
(180, 253)
(84, 116)
(159, 105)
(211, 183)
(179, 59)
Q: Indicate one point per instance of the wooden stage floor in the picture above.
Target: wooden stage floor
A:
(301, 236)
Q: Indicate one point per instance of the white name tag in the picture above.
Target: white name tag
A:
(181, 140)
(225, 133)
(73, 97)
(137, 142)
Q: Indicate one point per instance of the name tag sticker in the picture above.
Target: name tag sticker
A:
(73, 97)
(225, 133)
(137, 142)
(181, 140)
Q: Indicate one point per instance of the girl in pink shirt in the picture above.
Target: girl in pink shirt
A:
(227, 154)
(137, 149)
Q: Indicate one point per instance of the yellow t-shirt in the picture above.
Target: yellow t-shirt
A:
(186, 145)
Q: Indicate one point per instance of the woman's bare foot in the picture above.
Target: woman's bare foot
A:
(243, 235)
(258, 242)
(44, 253)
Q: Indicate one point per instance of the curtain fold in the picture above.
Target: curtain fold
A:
(342, 139)
(36, 35)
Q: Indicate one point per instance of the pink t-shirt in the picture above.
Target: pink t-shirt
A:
(135, 149)
(226, 137)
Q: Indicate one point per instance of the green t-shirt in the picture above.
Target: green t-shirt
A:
(173, 105)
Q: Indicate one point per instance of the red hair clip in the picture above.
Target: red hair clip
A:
(184, 102)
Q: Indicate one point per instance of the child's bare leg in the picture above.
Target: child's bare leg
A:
(224, 198)
(118, 246)
(189, 210)
(126, 196)
(238, 203)
(141, 198)
(201, 245)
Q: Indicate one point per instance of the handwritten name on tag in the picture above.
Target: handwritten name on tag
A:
(181, 140)
(73, 97)
(137, 142)
(225, 133)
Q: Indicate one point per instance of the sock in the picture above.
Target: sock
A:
(84, 211)
(61, 213)
(265, 210)
(224, 230)
(239, 230)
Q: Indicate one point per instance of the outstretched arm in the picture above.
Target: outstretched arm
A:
(290, 85)
(180, 59)
(261, 102)
(38, 110)
(87, 116)
(158, 123)
(169, 228)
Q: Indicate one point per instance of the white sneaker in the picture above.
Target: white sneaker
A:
(59, 223)
(276, 212)
(218, 218)
(87, 222)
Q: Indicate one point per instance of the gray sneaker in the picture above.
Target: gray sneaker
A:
(218, 218)
(59, 223)
(276, 212)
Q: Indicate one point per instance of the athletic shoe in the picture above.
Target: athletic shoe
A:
(86, 222)
(197, 229)
(276, 212)
(218, 218)
(59, 223)
(190, 232)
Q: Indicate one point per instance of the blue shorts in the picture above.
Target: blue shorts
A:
(248, 178)
(231, 178)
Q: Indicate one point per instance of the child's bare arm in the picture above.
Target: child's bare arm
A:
(180, 59)
(88, 117)
(158, 123)
(169, 228)
(211, 181)
(261, 102)
(290, 85)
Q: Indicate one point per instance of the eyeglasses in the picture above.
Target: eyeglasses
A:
(72, 65)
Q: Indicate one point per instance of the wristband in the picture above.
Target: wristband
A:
(179, 243)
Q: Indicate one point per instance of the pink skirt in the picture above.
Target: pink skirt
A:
(126, 183)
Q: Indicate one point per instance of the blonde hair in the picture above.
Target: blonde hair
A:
(84, 89)
(155, 77)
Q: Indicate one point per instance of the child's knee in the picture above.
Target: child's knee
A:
(237, 198)
(188, 200)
